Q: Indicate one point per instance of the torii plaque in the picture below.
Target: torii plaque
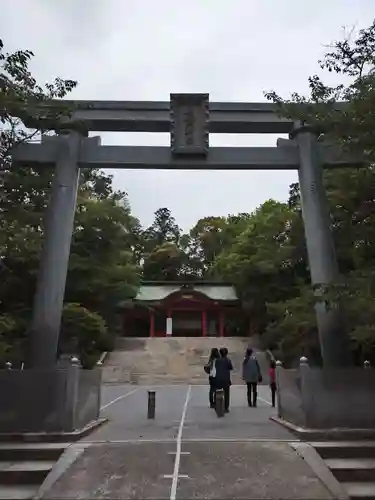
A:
(189, 124)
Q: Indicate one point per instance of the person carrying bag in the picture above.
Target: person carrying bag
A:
(210, 369)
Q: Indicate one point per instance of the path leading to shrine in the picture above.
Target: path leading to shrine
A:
(128, 415)
(186, 452)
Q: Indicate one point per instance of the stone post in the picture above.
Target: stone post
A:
(59, 221)
(303, 361)
(279, 367)
(151, 404)
(99, 365)
(305, 394)
(71, 394)
(334, 341)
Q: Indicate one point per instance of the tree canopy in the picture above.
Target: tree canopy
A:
(104, 260)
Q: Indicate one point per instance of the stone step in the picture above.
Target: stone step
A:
(10, 452)
(169, 360)
(352, 469)
(24, 472)
(18, 492)
(118, 377)
(345, 449)
(360, 491)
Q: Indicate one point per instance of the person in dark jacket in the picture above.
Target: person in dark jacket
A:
(223, 381)
(210, 369)
(251, 374)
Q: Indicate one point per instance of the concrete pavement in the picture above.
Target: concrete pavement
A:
(128, 416)
(187, 451)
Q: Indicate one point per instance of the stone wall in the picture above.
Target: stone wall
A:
(289, 397)
(88, 401)
(58, 400)
(327, 398)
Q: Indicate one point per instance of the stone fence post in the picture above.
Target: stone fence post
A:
(279, 367)
(71, 395)
(99, 365)
(305, 394)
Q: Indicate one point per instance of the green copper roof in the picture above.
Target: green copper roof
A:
(161, 291)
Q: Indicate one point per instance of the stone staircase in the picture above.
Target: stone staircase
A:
(353, 465)
(24, 466)
(176, 360)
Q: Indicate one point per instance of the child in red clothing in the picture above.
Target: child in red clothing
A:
(272, 375)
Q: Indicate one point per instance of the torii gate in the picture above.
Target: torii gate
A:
(189, 118)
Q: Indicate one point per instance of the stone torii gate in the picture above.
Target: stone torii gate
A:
(189, 118)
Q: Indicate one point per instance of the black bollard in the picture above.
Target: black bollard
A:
(151, 404)
(219, 403)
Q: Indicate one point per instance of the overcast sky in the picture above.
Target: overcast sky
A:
(146, 49)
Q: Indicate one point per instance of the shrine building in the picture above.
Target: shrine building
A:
(182, 309)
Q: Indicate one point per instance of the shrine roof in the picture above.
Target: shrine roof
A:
(159, 290)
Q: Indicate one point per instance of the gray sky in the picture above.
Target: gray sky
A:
(146, 49)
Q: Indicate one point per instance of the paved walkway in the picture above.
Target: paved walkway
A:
(187, 451)
(126, 407)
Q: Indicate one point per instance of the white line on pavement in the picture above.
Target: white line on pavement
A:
(117, 399)
(178, 448)
(265, 401)
(170, 476)
(189, 440)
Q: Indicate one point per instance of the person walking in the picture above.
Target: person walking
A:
(272, 375)
(210, 369)
(223, 380)
(252, 375)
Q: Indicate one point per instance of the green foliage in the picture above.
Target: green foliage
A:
(351, 125)
(102, 272)
(7, 325)
(351, 192)
(22, 99)
(164, 262)
(103, 265)
(262, 259)
(162, 252)
(83, 332)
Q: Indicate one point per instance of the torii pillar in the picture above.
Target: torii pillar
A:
(54, 259)
(334, 340)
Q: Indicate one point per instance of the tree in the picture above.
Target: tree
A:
(342, 114)
(163, 230)
(206, 242)
(164, 263)
(21, 99)
(83, 333)
(210, 237)
(351, 125)
(163, 256)
(102, 272)
(261, 260)
(102, 269)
